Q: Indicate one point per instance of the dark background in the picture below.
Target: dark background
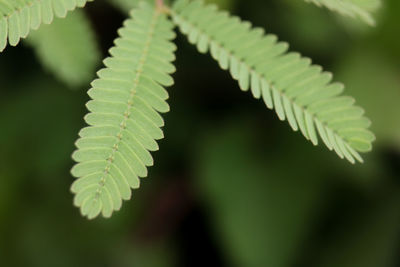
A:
(231, 185)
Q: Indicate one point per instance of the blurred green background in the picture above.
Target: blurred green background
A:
(232, 185)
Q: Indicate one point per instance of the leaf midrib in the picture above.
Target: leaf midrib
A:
(126, 114)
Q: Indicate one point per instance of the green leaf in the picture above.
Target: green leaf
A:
(113, 152)
(300, 92)
(18, 17)
(67, 48)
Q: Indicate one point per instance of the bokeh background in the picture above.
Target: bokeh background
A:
(232, 185)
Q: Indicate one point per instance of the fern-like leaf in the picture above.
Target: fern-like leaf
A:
(351, 8)
(113, 152)
(18, 17)
(67, 48)
(298, 91)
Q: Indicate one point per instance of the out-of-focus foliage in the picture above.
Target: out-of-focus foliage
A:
(264, 213)
(262, 209)
(352, 8)
(367, 72)
(68, 48)
(367, 238)
(127, 5)
(371, 69)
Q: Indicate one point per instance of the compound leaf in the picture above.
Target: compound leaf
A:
(18, 17)
(298, 91)
(124, 123)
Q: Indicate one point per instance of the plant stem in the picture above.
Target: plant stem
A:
(160, 6)
(159, 3)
